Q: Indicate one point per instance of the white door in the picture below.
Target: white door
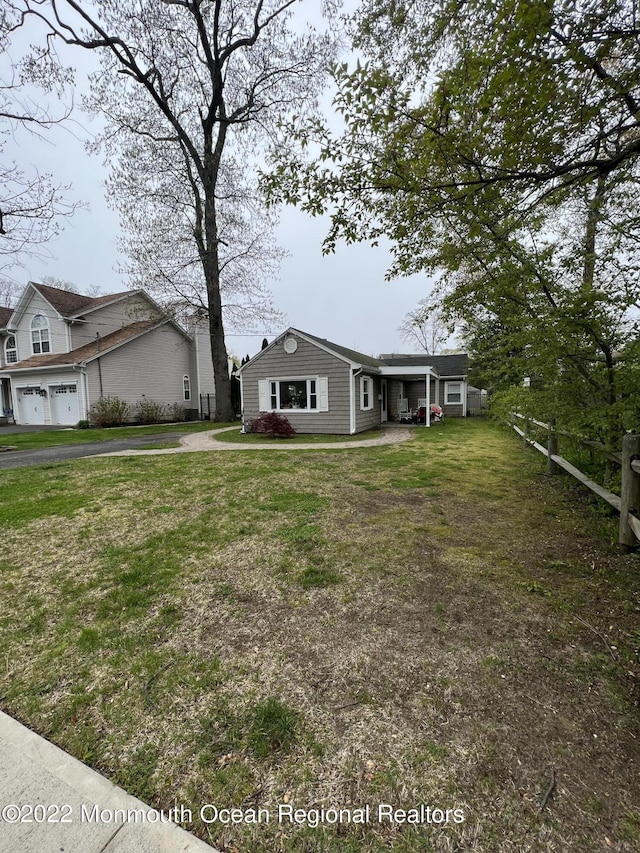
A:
(64, 404)
(30, 406)
(383, 403)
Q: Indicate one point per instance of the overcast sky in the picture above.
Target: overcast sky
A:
(343, 297)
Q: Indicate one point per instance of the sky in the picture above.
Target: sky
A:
(342, 297)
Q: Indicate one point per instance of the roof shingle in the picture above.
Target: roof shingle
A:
(351, 354)
(5, 313)
(69, 304)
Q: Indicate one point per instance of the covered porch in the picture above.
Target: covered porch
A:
(410, 393)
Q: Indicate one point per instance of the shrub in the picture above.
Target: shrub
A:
(274, 425)
(109, 411)
(83, 425)
(150, 411)
(176, 413)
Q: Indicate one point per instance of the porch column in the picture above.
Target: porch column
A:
(427, 414)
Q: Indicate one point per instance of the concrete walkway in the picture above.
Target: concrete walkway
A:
(206, 441)
(83, 812)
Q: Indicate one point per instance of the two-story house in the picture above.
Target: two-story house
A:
(61, 352)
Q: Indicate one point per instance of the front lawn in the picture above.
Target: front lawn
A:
(436, 623)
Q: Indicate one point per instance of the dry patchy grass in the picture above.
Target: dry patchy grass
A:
(430, 623)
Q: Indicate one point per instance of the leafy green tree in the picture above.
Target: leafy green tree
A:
(497, 144)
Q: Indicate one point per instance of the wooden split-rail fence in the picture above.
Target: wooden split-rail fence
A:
(627, 503)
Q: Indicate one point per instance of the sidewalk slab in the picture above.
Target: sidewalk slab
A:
(34, 772)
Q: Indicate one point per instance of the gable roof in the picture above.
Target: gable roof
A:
(67, 304)
(87, 352)
(443, 365)
(446, 365)
(351, 356)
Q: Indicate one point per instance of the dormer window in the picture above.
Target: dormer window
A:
(40, 335)
(10, 350)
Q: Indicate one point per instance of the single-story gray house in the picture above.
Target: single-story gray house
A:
(322, 387)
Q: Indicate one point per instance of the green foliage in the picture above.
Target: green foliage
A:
(496, 145)
(109, 411)
(150, 411)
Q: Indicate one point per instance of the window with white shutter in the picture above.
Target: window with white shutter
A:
(299, 394)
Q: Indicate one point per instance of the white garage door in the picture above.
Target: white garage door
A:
(64, 404)
(30, 406)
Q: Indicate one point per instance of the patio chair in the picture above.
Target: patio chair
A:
(404, 412)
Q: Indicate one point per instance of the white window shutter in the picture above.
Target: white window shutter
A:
(263, 395)
(323, 394)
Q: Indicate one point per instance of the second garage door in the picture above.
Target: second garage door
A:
(64, 404)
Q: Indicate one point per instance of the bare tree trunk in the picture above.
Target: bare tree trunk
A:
(224, 409)
(211, 266)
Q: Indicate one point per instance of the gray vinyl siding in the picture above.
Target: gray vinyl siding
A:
(57, 328)
(371, 417)
(308, 360)
(110, 318)
(414, 392)
(152, 365)
(452, 411)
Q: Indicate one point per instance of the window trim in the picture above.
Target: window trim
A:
(186, 388)
(273, 394)
(447, 386)
(366, 390)
(37, 331)
(13, 349)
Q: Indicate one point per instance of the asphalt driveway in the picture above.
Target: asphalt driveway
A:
(24, 458)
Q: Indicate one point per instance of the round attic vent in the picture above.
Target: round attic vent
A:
(290, 345)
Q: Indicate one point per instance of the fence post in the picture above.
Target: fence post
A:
(630, 491)
(525, 430)
(552, 446)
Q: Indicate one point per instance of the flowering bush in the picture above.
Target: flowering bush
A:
(274, 425)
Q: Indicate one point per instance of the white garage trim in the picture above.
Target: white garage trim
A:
(32, 408)
(64, 403)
